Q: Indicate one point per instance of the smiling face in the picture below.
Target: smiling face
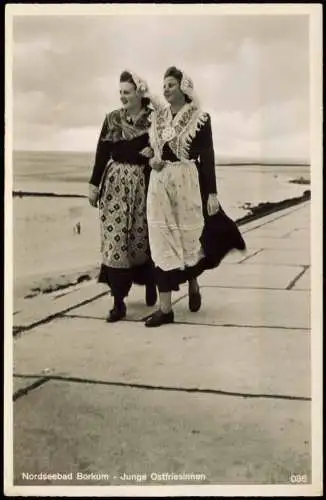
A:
(129, 96)
(171, 90)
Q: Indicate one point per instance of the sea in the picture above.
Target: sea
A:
(44, 240)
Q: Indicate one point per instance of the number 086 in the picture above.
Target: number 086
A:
(298, 478)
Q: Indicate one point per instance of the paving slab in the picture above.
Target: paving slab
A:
(282, 225)
(250, 276)
(258, 361)
(273, 256)
(288, 244)
(304, 283)
(236, 256)
(135, 302)
(39, 308)
(251, 307)
(118, 432)
(289, 222)
(285, 226)
(99, 309)
(301, 233)
(268, 231)
(224, 392)
(298, 214)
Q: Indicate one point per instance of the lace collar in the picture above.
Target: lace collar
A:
(177, 131)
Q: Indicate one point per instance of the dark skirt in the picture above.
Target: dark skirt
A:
(220, 236)
(121, 280)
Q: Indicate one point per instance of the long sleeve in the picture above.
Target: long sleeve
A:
(101, 157)
(128, 150)
(207, 159)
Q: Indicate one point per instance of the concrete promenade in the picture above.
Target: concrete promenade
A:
(223, 393)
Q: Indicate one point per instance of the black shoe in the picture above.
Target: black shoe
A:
(151, 295)
(194, 301)
(117, 313)
(160, 318)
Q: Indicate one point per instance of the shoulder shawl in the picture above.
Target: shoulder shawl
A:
(119, 128)
(178, 132)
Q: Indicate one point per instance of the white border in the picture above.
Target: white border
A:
(316, 247)
(315, 13)
(8, 267)
(164, 9)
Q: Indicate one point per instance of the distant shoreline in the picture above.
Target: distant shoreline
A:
(223, 161)
(45, 194)
(49, 194)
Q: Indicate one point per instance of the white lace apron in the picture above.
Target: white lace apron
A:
(174, 206)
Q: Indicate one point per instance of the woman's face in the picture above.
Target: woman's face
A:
(128, 95)
(171, 89)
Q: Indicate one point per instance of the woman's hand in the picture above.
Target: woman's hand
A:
(93, 195)
(213, 205)
(156, 164)
(147, 152)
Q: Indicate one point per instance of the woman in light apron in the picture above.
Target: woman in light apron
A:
(188, 230)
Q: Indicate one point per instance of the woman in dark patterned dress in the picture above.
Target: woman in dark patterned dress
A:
(188, 229)
(119, 185)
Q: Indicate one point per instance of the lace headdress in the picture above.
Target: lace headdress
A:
(141, 84)
(187, 87)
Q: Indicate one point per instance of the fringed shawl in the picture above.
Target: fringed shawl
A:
(119, 127)
(178, 132)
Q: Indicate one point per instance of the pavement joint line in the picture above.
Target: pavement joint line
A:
(296, 278)
(79, 316)
(230, 287)
(259, 264)
(256, 252)
(189, 323)
(271, 264)
(218, 392)
(17, 330)
(289, 249)
(26, 390)
(234, 325)
(290, 232)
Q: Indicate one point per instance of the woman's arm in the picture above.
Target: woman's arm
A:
(207, 159)
(101, 157)
(207, 175)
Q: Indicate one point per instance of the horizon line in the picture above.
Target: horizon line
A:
(228, 159)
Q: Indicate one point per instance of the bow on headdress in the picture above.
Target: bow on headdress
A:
(143, 90)
(187, 87)
(141, 84)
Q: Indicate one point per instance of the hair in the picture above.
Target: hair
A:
(127, 77)
(176, 73)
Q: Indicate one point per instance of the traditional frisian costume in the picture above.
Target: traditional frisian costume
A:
(184, 239)
(121, 175)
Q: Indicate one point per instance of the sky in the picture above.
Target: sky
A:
(251, 74)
